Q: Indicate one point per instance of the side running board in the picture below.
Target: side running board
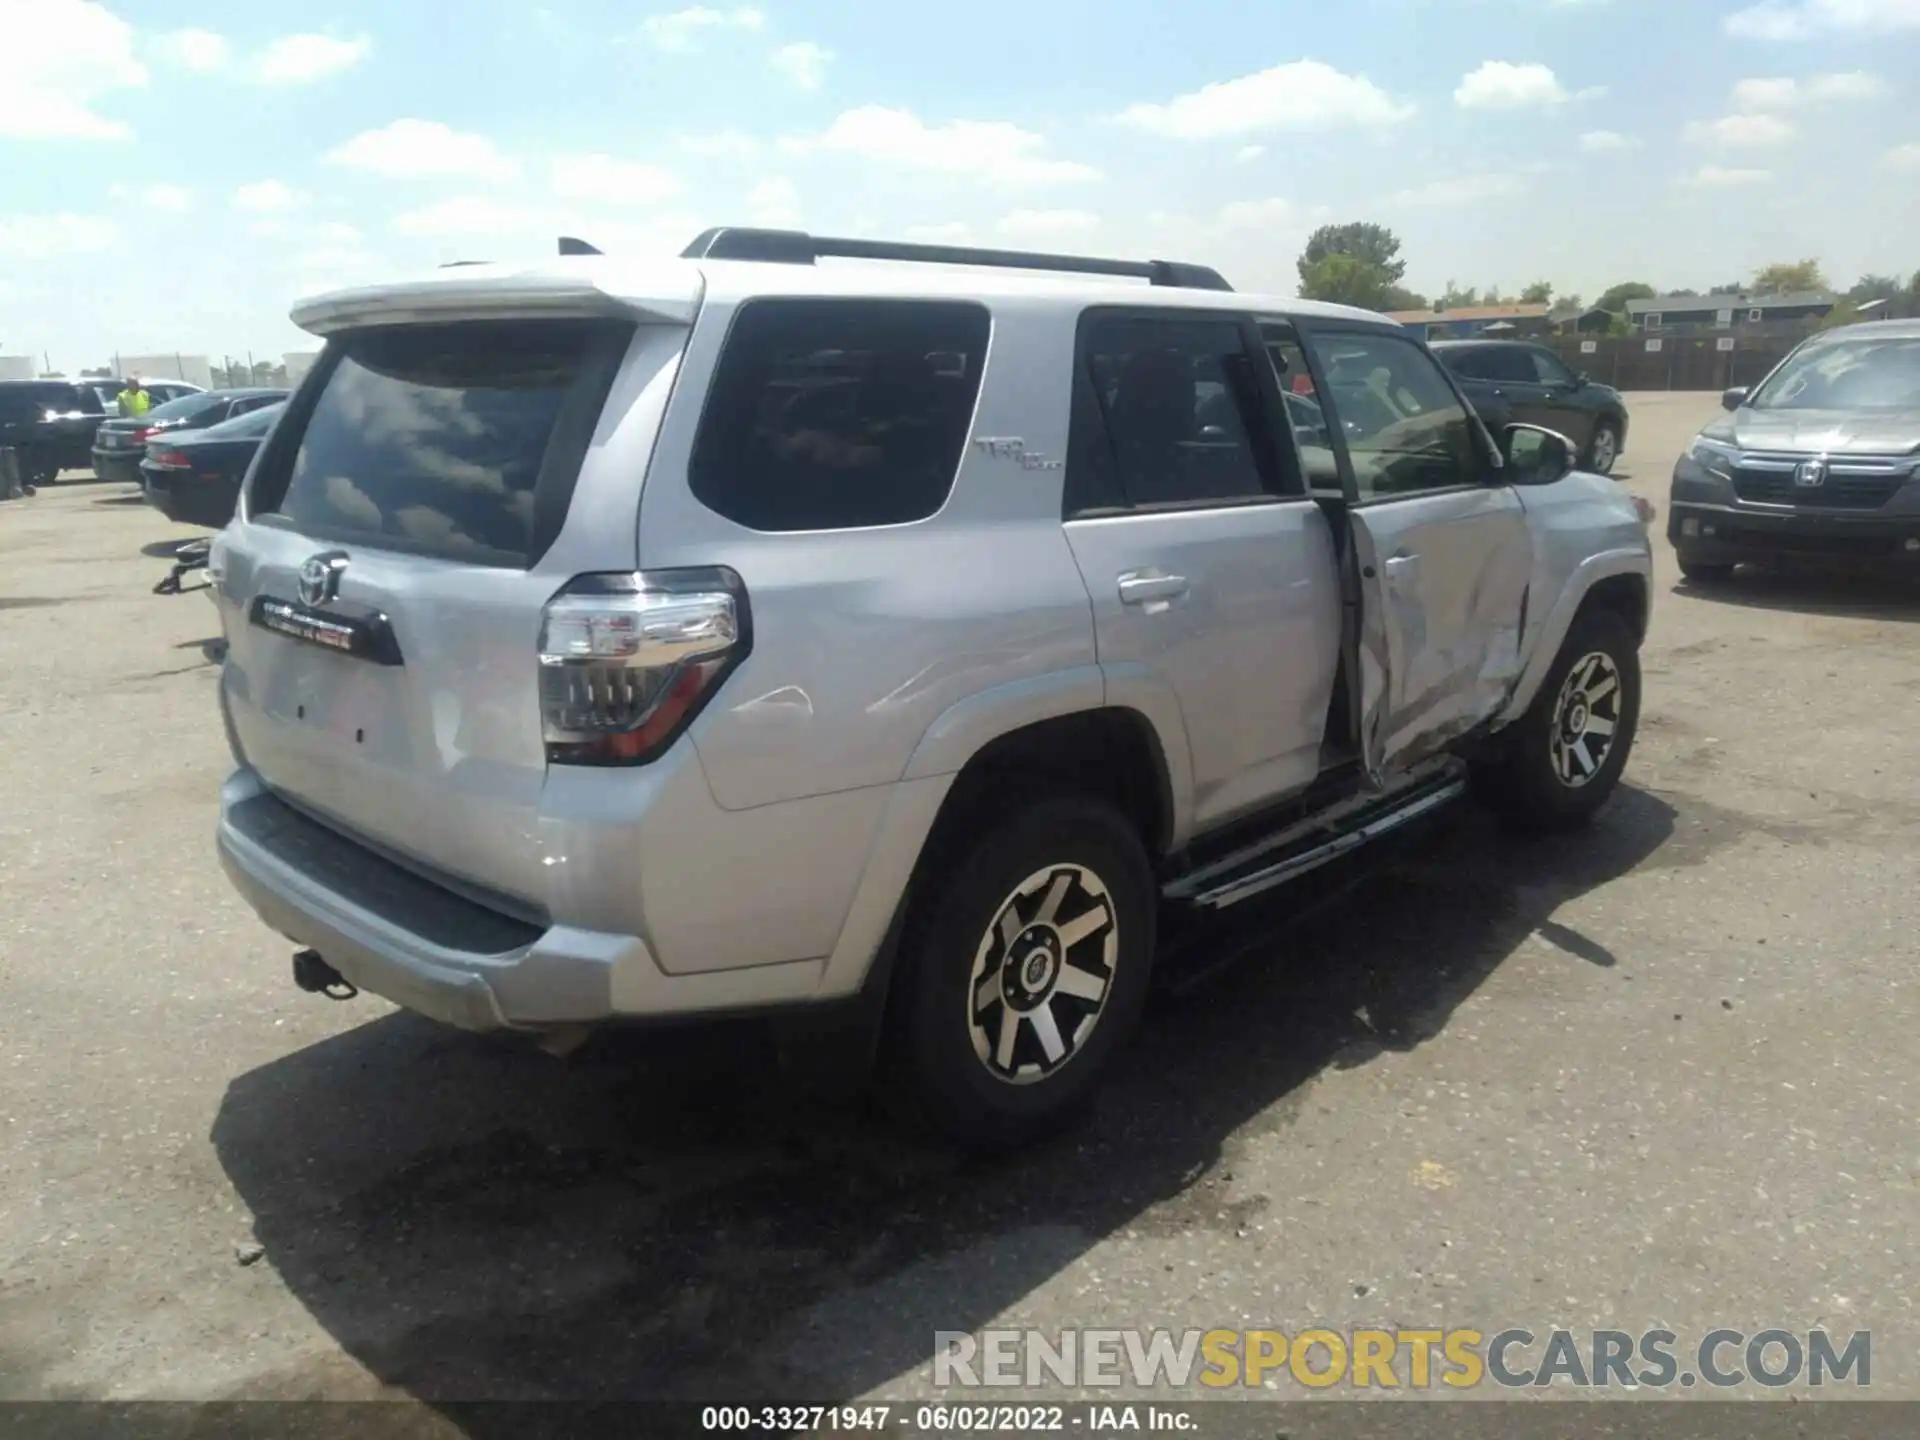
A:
(1313, 842)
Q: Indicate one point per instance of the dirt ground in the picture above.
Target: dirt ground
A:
(1660, 1074)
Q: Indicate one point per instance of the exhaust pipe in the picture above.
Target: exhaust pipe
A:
(316, 977)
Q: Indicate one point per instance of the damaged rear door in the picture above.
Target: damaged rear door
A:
(1440, 543)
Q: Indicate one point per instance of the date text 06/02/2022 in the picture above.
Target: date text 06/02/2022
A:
(940, 1419)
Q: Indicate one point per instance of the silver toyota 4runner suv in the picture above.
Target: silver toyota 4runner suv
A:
(826, 627)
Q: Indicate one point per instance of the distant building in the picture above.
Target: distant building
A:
(1710, 314)
(19, 367)
(194, 369)
(298, 363)
(1466, 321)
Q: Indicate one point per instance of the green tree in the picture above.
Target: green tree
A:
(1342, 279)
(1540, 292)
(1875, 287)
(1844, 312)
(1455, 297)
(1789, 277)
(1401, 299)
(1362, 240)
(1615, 300)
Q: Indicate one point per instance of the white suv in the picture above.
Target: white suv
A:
(884, 632)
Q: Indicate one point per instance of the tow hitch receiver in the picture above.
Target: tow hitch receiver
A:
(316, 977)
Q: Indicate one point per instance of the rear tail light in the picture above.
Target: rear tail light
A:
(627, 661)
(140, 435)
(170, 460)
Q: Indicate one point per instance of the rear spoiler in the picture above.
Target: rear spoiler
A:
(490, 293)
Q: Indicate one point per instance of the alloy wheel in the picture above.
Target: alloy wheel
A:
(1586, 717)
(1605, 449)
(1042, 974)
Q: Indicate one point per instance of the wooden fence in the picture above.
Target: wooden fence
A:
(1673, 363)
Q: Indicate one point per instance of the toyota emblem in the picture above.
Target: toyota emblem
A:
(1811, 472)
(320, 578)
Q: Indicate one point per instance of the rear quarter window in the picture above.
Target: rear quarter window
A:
(839, 414)
(460, 441)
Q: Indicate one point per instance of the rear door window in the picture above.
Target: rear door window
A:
(459, 441)
(839, 414)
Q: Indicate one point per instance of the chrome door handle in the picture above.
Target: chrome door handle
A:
(1139, 588)
(1402, 569)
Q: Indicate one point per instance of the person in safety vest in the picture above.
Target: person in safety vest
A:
(134, 400)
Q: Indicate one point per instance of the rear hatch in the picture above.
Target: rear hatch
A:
(419, 497)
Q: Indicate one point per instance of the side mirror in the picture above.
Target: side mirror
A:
(1581, 380)
(1535, 455)
(1733, 399)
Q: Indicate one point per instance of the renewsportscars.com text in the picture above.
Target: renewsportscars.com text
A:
(1514, 1358)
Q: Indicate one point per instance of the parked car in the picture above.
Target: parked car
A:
(1821, 458)
(1510, 380)
(51, 424)
(193, 476)
(121, 443)
(741, 635)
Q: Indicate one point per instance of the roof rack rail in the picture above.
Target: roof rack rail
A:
(571, 246)
(796, 247)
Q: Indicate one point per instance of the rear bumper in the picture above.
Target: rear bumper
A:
(187, 498)
(118, 467)
(443, 955)
(1721, 534)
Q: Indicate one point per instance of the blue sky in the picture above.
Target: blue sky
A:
(176, 176)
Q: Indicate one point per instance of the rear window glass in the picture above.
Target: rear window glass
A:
(839, 414)
(187, 407)
(434, 439)
(250, 426)
(32, 401)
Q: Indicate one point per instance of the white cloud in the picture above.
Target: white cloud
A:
(303, 59)
(472, 215)
(1046, 225)
(1599, 142)
(681, 30)
(731, 144)
(1258, 214)
(1784, 20)
(1303, 95)
(1501, 85)
(1461, 190)
(775, 203)
(616, 182)
(992, 150)
(1249, 152)
(413, 149)
(41, 237)
(804, 63)
(266, 197)
(1784, 93)
(1846, 85)
(168, 199)
(201, 51)
(948, 234)
(1741, 132)
(338, 232)
(1903, 157)
(63, 57)
(1716, 177)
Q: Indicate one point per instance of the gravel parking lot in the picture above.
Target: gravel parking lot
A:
(1657, 1075)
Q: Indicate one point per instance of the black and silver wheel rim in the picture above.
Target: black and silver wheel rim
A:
(1605, 450)
(1042, 974)
(1586, 719)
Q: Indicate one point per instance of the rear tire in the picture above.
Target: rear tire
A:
(1558, 764)
(1023, 970)
(1702, 571)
